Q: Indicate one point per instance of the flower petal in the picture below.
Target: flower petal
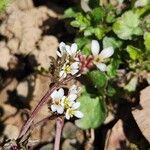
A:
(60, 93)
(95, 47)
(78, 114)
(62, 46)
(107, 52)
(74, 48)
(62, 74)
(72, 97)
(73, 72)
(75, 65)
(58, 54)
(54, 95)
(76, 105)
(101, 67)
(68, 49)
(53, 108)
(73, 89)
(67, 114)
(60, 109)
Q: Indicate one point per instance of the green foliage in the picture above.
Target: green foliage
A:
(147, 41)
(127, 30)
(94, 111)
(127, 25)
(134, 53)
(98, 79)
(3, 5)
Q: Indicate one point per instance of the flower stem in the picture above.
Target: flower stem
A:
(36, 110)
(59, 127)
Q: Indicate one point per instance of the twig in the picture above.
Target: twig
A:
(59, 127)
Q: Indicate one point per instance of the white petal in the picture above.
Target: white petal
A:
(73, 89)
(53, 108)
(95, 47)
(74, 48)
(72, 97)
(60, 93)
(76, 105)
(101, 67)
(73, 72)
(107, 52)
(62, 46)
(68, 49)
(75, 65)
(62, 74)
(67, 115)
(60, 109)
(58, 54)
(78, 114)
(54, 95)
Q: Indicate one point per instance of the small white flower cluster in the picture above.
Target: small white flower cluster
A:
(67, 105)
(80, 63)
(100, 57)
(70, 67)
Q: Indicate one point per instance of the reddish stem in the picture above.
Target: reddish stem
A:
(44, 100)
(59, 127)
(36, 110)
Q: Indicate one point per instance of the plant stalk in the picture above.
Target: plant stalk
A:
(59, 127)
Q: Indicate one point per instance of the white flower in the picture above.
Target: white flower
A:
(74, 89)
(68, 101)
(73, 111)
(100, 57)
(57, 96)
(69, 50)
(69, 69)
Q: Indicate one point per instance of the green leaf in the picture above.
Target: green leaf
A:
(134, 53)
(111, 91)
(127, 25)
(69, 13)
(81, 21)
(147, 40)
(89, 31)
(131, 86)
(111, 42)
(101, 31)
(94, 111)
(97, 14)
(98, 79)
(112, 67)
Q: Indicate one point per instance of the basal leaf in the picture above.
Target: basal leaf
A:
(127, 25)
(94, 112)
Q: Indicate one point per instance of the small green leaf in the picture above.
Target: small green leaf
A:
(98, 79)
(94, 111)
(131, 86)
(147, 40)
(97, 14)
(111, 42)
(134, 53)
(101, 31)
(81, 21)
(69, 13)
